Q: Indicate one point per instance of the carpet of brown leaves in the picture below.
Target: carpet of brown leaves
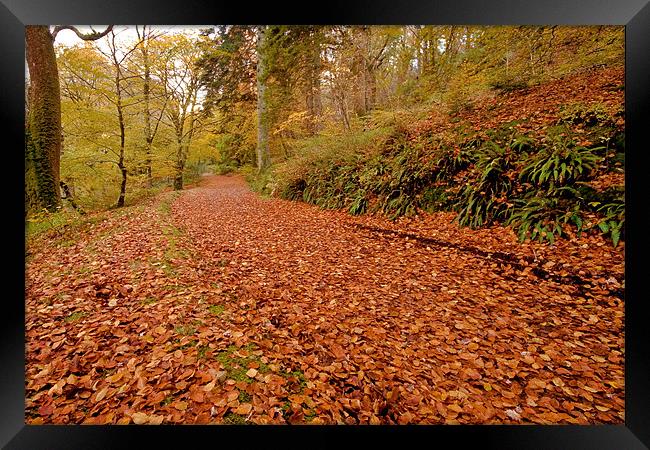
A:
(226, 307)
(538, 106)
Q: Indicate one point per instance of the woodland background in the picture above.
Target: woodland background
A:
(365, 118)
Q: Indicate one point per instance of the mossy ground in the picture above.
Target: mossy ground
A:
(236, 366)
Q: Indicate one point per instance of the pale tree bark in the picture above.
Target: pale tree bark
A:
(43, 133)
(367, 65)
(151, 120)
(428, 42)
(180, 163)
(120, 164)
(313, 99)
(263, 157)
(184, 122)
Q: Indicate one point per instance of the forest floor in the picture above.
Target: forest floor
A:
(216, 305)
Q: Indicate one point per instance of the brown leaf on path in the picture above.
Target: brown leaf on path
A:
(155, 420)
(139, 418)
(180, 405)
(101, 394)
(338, 351)
(243, 409)
(197, 396)
(208, 387)
(45, 410)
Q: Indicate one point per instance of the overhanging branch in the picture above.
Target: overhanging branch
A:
(85, 36)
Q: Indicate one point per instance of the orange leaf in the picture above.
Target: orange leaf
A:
(139, 418)
(181, 406)
(243, 409)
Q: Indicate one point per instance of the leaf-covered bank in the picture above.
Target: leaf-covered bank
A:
(548, 161)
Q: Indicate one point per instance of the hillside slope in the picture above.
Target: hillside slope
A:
(547, 160)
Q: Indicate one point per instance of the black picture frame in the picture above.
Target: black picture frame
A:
(634, 14)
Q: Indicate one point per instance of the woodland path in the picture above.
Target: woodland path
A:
(215, 305)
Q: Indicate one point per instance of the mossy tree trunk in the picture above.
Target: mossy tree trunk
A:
(120, 164)
(184, 142)
(314, 67)
(146, 93)
(184, 119)
(180, 165)
(43, 133)
(43, 122)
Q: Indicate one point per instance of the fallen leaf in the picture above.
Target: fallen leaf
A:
(139, 418)
(181, 406)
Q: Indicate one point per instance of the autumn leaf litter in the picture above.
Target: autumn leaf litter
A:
(230, 308)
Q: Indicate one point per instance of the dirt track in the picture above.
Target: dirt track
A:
(218, 305)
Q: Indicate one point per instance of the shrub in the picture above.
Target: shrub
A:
(223, 168)
(484, 198)
(559, 164)
(361, 171)
(536, 186)
(260, 182)
(436, 198)
(451, 161)
(507, 82)
(542, 216)
(612, 211)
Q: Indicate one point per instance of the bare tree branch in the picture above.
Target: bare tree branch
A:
(86, 37)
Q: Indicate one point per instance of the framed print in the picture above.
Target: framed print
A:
(367, 221)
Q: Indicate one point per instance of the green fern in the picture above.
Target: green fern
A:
(612, 223)
(559, 164)
(543, 218)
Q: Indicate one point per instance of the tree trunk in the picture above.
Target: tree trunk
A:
(313, 99)
(120, 200)
(339, 99)
(368, 73)
(263, 158)
(120, 117)
(147, 119)
(180, 167)
(184, 142)
(432, 47)
(67, 194)
(371, 96)
(147, 113)
(43, 138)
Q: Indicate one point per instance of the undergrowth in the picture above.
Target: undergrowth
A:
(540, 186)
